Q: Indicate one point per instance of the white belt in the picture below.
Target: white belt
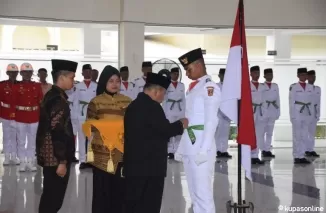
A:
(5, 105)
(25, 108)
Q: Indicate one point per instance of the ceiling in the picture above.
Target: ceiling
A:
(152, 30)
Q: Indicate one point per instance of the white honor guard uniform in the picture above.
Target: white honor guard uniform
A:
(174, 107)
(271, 111)
(310, 145)
(197, 148)
(83, 96)
(301, 99)
(223, 129)
(139, 84)
(257, 106)
(71, 97)
(127, 89)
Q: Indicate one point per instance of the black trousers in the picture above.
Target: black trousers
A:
(108, 191)
(54, 189)
(144, 194)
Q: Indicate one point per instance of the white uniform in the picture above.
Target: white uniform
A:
(139, 85)
(174, 107)
(223, 130)
(301, 108)
(271, 112)
(197, 147)
(257, 106)
(83, 96)
(310, 145)
(71, 97)
(129, 91)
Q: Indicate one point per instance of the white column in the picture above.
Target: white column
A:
(131, 36)
(280, 42)
(92, 41)
(55, 36)
(131, 47)
(7, 38)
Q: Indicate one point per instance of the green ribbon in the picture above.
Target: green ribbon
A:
(84, 104)
(315, 106)
(191, 133)
(174, 102)
(255, 108)
(273, 103)
(304, 105)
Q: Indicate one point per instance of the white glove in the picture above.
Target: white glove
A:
(178, 157)
(201, 157)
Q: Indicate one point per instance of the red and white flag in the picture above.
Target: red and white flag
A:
(236, 86)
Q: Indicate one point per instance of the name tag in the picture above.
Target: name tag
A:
(82, 90)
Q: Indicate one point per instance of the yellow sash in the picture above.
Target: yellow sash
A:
(112, 133)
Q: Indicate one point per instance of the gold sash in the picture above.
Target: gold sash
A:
(112, 133)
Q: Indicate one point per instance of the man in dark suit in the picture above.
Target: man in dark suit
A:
(147, 133)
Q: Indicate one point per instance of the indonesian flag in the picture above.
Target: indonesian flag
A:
(236, 86)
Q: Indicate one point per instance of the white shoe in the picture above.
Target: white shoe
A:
(30, 165)
(22, 166)
(6, 162)
(14, 159)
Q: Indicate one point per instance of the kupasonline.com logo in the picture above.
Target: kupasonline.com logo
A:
(300, 209)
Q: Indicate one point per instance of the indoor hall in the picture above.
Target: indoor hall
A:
(283, 36)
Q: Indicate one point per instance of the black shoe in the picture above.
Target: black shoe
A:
(268, 154)
(257, 161)
(84, 166)
(308, 154)
(301, 161)
(314, 154)
(74, 160)
(171, 156)
(226, 155)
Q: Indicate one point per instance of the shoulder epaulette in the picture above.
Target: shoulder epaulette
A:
(133, 84)
(208, 80)
(137, 79)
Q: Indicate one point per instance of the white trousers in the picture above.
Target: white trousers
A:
(200, 183)
(259, 130)
(26, 148)
(174, 141)
(268, 133)
(222, 135)
(300, 136)
(74, 123)
(81, 142)
(9, 136)
(310, 143)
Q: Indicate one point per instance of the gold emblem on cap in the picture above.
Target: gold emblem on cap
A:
(185, 60)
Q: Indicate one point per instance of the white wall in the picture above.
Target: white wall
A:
(219, 13)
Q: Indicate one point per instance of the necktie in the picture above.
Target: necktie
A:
(192, 85)
(125, 83)
(256, 84)
(303, 85)
(269, 84)
(87, 83)
(175, 84)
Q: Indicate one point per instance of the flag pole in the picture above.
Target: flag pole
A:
(241, 206)
(239, 104)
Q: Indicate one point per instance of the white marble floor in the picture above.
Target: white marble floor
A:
(275, 185)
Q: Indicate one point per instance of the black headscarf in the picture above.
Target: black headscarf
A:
(106, 74)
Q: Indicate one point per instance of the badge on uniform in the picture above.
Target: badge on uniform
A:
(210, 91)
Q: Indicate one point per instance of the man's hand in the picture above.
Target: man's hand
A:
(62, 170)
(184, 122)
(201, 157)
